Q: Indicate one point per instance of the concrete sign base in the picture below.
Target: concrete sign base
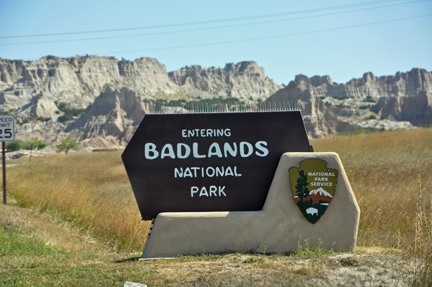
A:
(282, 222)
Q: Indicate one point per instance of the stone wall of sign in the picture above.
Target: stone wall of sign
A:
(310, 198)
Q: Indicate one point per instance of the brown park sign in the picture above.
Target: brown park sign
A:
(209, 161)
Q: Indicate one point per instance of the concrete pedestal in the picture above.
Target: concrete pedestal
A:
(276, 228)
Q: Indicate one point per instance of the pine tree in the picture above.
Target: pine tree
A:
(301, 186)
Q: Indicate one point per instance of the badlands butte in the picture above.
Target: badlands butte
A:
(100, 101)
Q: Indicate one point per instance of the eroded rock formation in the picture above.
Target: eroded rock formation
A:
(245, 80)
(113, 94)
(116, 113)
(401, 84)
(415, 109)
(319, 121)
(77, 80)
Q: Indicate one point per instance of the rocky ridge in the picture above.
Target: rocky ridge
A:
(116, 113)
(416, 109)
(113, 96)
(399, 85)
(319, 121)
(400, 101)
(245, 80)
(79, 80)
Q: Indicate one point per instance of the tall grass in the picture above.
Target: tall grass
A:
(89, 190)
(385, 171)
(390, 173)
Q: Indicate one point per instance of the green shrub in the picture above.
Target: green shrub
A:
(65, 118)
(69, 114)
(28, 145)
(198, 105)
(14, 146)
(369, 99)
(42, 119)
(33, 144)
(341, 106)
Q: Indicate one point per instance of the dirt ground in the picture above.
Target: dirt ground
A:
(365, 267)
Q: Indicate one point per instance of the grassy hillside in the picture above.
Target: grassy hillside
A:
(90, 191)
(81, 196)
(390, 173)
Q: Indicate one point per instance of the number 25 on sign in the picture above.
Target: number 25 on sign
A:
(7, 133)
(7, 128)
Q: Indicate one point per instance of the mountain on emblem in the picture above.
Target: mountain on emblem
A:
(313, 186)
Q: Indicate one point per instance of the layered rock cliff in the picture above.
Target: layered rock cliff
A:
(111, 95)
(401, 84)
(319, 121)
(415, 109)
(79, 80)
(245, 80)
(116, 113)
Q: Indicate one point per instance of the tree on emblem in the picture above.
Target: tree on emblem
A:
(301, 186)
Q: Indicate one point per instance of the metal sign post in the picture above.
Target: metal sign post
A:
(4, 171)
(7, 133)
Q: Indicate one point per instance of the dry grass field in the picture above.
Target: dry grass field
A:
(390, 173)
(90, 191)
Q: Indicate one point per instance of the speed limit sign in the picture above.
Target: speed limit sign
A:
(7, 131)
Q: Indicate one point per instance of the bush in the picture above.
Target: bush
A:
(28, 145)
(197, 105)
(14, 146)
(341, 106)
(65, 118)
(369, 99)
(33, 144)
(42, 119)
(69, 114)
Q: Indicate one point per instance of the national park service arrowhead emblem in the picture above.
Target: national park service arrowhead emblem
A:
(313, 186)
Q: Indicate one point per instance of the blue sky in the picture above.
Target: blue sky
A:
(342, 39)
